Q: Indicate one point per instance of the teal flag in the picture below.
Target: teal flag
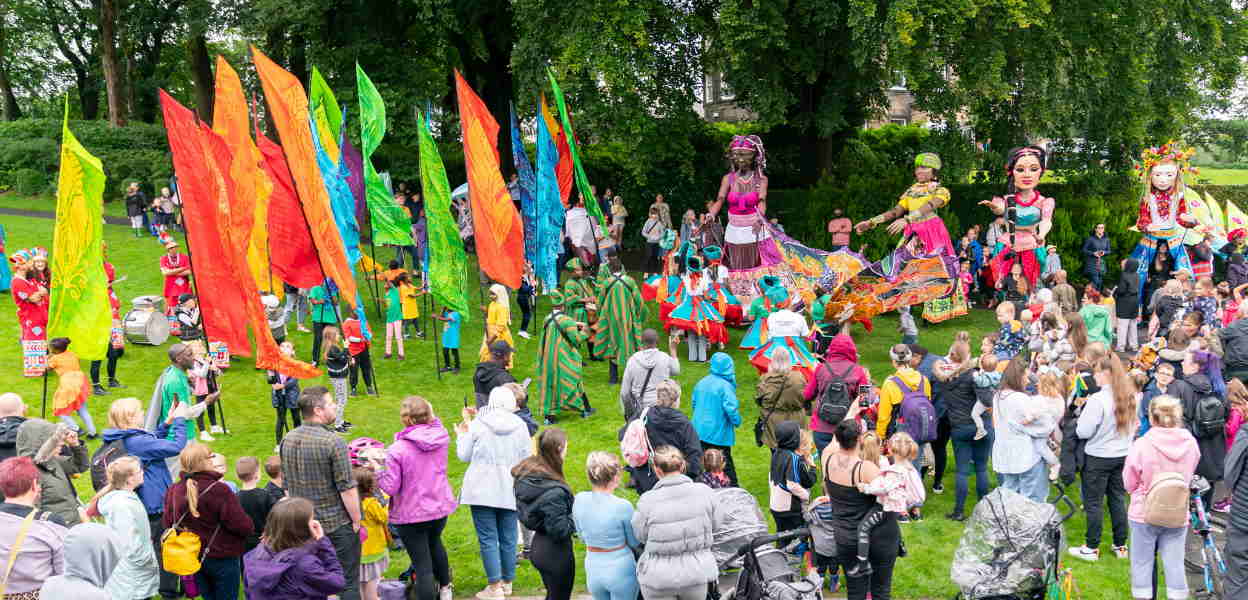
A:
(447, 261)
(388, 221)
(582, 180)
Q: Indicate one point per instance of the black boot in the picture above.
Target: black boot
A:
(113, 383)
(550, 420)
(99, 390)
(862, 568)
(614, 374)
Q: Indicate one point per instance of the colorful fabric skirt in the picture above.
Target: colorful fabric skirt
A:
(1033, 264)
(803, 360)
(699, 317)
(943, 309)
(933, 234)
(34, 357)
(1146, 251)
(754, 336)
(5, 274)
(727, 304)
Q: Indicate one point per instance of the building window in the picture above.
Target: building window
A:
(899, 120)
(725, 90)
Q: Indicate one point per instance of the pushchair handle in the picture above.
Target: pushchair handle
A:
(1062, 498)
(762, 540)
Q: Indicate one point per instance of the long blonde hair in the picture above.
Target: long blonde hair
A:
(331, 338)
(869, 447)
(195, 457)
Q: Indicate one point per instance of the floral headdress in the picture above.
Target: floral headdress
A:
(1170, 151)
(39, 253)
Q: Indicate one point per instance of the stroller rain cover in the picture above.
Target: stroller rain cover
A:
(1009, 546)
(738, 519)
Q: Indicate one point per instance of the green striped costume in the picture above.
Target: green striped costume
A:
(559, 366)
(577, 293)
(621, 311)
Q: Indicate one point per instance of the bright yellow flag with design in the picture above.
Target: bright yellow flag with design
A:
(78, 305)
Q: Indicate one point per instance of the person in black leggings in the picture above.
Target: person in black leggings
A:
(544, 501)
(844, 470)
(113, 355)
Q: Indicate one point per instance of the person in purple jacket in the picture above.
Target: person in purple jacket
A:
(414, 476)
(125, 421)
(294, 561)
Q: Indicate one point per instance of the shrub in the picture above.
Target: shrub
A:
(29, 182)
(137, 152)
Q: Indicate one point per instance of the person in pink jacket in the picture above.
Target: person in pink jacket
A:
(420, 493)
(1168, 447)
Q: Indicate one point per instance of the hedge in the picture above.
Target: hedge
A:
(30, 154)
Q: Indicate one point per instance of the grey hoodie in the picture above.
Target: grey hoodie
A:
(665, 367)
(92, 551)
(496, 440)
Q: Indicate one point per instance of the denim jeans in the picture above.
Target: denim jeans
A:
(218, 578)
(968, 452)
(497, 529)
(1033, 483)
(1149, 542)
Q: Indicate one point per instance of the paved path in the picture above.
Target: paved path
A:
(47, 214)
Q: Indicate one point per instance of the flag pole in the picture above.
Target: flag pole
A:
(437, 359)
(203, 338)
(43, 412)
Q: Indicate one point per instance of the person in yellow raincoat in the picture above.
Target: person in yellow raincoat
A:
(497, 323)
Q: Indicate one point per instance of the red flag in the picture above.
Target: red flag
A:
(495, 221)
(288, 104)
(290, 243)
(203, 187)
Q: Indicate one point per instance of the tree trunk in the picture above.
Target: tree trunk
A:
(201, 74)
(9, 110)
(114, 75)
(299, 59)
(88, 95)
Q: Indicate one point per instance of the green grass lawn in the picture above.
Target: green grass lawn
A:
(924, 574)
(1222, 176)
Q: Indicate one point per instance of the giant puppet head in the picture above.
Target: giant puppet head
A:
(1162, 167)
(1024, 168)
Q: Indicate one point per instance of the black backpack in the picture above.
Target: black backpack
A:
(101, 458)
(1209, 418)
(835, 401)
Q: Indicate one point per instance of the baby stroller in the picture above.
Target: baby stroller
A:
(1010, 547)
(741, 542)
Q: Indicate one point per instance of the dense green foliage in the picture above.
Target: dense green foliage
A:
(138, 152)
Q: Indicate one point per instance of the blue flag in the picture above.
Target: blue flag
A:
(525, 190)
(549, 207)
(342, 203)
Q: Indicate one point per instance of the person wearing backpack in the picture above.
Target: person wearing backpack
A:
(125, 425)
(202, 504)
(906, 402)
(1204, 415)
(840, 359)
(1158, 468)
(1108, 423)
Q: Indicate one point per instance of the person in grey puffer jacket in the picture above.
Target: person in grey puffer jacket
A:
(1237, 522)
(674, 523)
(636, 393)
(492, 443)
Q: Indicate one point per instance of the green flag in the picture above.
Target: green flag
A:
(447, 278)
(78, 305)
(325, 113)
(582, 180)
(388, 221)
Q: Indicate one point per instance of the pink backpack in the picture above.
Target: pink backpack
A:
(635, 445)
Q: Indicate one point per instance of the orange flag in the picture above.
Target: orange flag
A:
(564, 169)
(231, 120)
(204, 189)
(245, 214)
(499, 231)
(288, 103)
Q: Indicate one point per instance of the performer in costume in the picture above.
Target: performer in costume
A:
(825, 327)
(497, 323)
(560, 381)
(31, 298)
(72, 388)
(696, 313)
(747, 239)
(617, 335)
(760, 309)
(787, 332)
(915, 213)
(655, 287)
(5, 275)
(116, 338)
(578, 297)
(1028, 216)
(725, 301)
(1164, 216)
(176, 267)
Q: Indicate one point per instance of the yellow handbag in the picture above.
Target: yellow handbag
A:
(181, 551)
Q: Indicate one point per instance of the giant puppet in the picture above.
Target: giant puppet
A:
(1164, 217)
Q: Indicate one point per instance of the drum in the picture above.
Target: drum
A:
(148, 303)
(146, 327)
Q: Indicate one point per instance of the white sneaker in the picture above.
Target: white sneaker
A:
(1085, 553)
(216, 429)
(1122, 552)
(277, 449)
(506, 588)
(491, 592)
(522, 333)
(204, 436)
(446, 593)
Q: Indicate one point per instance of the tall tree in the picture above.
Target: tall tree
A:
(73, 25)
(9, 111)
(114, 73)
